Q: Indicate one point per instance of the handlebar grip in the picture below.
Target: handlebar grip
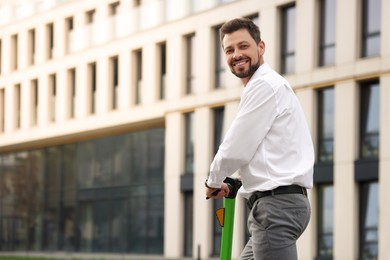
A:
(233, 184)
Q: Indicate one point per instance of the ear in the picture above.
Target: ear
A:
(261, 46)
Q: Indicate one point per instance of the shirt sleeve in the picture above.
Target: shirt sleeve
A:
(257, 111)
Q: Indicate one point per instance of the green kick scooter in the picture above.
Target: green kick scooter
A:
(225, 218)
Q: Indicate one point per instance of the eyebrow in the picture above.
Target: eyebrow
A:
(239, 43)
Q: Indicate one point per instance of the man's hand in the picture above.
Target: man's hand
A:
(215, 193)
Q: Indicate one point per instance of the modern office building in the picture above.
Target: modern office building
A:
(111, 112)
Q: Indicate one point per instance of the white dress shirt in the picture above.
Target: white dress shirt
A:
(269, 141)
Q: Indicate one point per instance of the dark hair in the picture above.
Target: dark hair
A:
(238, 24)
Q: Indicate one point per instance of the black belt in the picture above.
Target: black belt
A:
(291, 189)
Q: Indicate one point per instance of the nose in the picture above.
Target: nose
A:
(237, 55)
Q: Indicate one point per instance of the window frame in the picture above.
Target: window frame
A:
(323, 24)
(320, 221)
(34, 85)
(189, 68)
(365, 106)
(366, 35)
(364, 199)
(162, 70)
(285, 28)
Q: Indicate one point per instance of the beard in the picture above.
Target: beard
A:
(246, 73)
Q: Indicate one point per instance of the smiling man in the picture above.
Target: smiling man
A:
(244, 55)
(269, 143)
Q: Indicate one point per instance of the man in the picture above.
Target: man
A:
(270, 144)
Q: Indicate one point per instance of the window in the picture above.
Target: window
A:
(50, 40)
(218, 114)
(2, 111)
(1, 57)
(327, 32)
(323, 167)
(92, 87)
(189, 143)
(367, 169)
(72, 92)
(114, 79)
(114, 8)
(52, 97)
(17, 105)
(188, 173)
(288, 39)
(325, 221)
(162, 48)
(188, 222)
(371, 28)
(68, 30)
(14, 52)
(323, 173)
(69, 191)
(220, 68)
(34, 102)
(190, 63)
(69, 24)
(21, 173)
(218, 127)
(369, 120)
(52, 192)
(325, 124)
(367, 165)
(31, 47)
(369, 220)
(137, 3)
(90, 16)
(138, 77)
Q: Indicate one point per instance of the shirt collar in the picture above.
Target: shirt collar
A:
(262, 70)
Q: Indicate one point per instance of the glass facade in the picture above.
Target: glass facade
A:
(100, 195)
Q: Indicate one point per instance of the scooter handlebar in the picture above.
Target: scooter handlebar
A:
(233, 183)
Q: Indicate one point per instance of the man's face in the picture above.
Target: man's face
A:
(242, 53)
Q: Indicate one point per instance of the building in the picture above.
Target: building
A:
(111, 111)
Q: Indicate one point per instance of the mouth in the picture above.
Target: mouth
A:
(240, 62)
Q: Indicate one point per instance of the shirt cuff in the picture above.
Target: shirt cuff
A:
(213, 185)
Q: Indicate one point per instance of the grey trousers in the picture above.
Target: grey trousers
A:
(275, 223)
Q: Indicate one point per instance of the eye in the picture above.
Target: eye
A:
(228, 51)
